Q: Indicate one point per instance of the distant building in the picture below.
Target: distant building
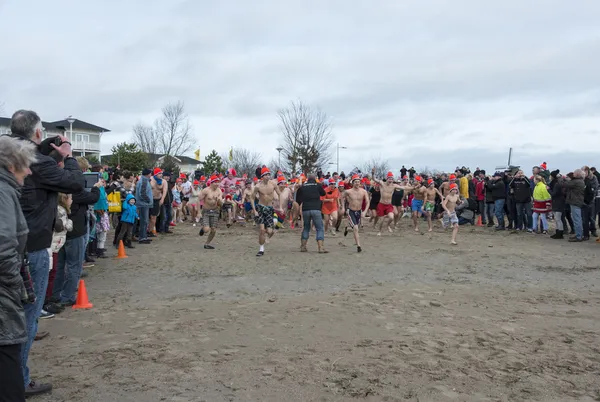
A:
(85, 138)
(185, 163)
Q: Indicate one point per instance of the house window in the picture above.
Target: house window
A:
(82, 137)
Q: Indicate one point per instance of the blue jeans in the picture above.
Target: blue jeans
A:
(39, 267)
(577, 221)
(524, 215)
(165, 217)
(316, 218)
(499, 208)
(70, 264)
(144, 213)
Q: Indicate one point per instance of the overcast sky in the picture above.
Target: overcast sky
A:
(433, 83)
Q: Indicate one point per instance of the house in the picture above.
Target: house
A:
(85, 138)
(185, 163)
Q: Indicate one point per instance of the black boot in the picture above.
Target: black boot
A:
(558, 235)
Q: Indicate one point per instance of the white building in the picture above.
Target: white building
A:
(85, 138)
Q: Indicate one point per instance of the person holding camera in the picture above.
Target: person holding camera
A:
(39, 202)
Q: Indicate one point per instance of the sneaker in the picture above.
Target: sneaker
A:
(145, 241)
(89, 259)
(575, 240)
(53, 308)
(88, 265)
(34, 388)
(45, 315)
(67, 303)
(208, 247)
(172, 224)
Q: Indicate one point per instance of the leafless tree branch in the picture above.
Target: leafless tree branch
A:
(146, 138)
(307, 139)
(244, 161)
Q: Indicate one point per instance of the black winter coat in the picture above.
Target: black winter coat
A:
(79, 210)
(497, 188)
(39, 196)
(521, 189)
(559, 195)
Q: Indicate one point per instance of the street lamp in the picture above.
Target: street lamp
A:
(71, 120)
(338, 156)
(279, 149)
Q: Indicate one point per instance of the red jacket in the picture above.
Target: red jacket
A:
(480, 190)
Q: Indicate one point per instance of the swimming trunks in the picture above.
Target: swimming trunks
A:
(449, 219)
(397, 197)
(429, 206)
(354, 218)
(265, 216)
(210, 217)
(384, 209)
(417, 205)
(248, 206)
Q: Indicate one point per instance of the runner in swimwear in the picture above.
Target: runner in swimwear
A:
(419, 191)
(342, 205)
(397, 197)
(329, 207)
(449, 205)
(212, 196)
(193, 201)
(375, 193)
(185, 196)
(280, 202)
(247, 197)
(357, 199)
(385, 207)
(263, 210)
(430, 193)
(445, 187)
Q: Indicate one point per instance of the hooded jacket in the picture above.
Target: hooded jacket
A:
(309, 195)
(13, 239)
(39, 196)
(558, 194)
(143, 193)
(129, 212)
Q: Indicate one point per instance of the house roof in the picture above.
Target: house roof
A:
(79, 125)
(181, 159)
(61, 125)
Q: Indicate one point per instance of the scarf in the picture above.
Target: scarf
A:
(540, 193)
(158, 181)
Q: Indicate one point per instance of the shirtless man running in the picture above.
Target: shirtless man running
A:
(263, 211)
(357, 199)
(445, 187)
(429, 207)
(385, 207)
(419, 192)
(449, 205)
(209, 214)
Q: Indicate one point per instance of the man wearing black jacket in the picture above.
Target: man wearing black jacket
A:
(498, 188)
(39, 204)
(309, 197)
(71, 256)
(520, 187)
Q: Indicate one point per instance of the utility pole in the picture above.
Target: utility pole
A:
(338, 156)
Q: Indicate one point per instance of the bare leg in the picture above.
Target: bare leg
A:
(326, 219)
(429, 222)
(270, 232)
(454, 233)
(396, 215)
(356, 239)
(211, 235)
(390, 218)
(334, 218)
(416, 220)
(262, 236)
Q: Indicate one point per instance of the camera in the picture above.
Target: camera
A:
(45, 147)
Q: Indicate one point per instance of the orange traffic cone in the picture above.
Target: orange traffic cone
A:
(121, 253)
(82, 297)
(479, 221)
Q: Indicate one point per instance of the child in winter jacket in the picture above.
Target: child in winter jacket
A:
(62, 225)
(128, 216)
(102, 223)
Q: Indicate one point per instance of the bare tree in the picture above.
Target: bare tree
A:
(170, 135)
(307, 139)
(381, 166)
(243, 160)
(146, 138)
(429, 172)
(174, 130)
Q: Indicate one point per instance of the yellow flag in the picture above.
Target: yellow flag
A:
(197, 154)
(231, 154)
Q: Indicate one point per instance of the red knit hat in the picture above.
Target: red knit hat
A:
(429, 182)
(453, 186)
(452, 177)
(156, 171)
(280, 179)
(390, 175)
(196, 183)
(264, 171)
(213, 179)
(355, 177)
(418, 178)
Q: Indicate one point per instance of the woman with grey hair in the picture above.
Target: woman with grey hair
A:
(15, 158)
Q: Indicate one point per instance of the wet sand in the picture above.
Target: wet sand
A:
(500, 317)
